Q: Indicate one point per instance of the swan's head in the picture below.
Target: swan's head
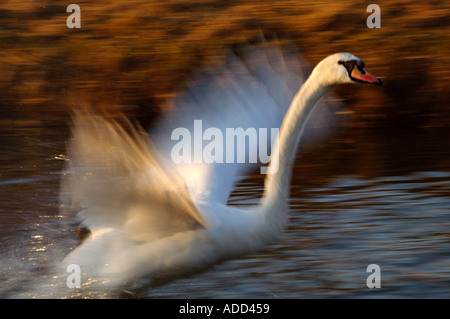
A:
(340, 68)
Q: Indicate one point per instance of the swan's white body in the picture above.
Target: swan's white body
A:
(155, 220)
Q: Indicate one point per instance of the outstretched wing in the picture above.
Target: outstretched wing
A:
(252, 88)
(117, 180)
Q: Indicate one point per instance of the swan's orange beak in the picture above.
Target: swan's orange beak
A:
(364, 76)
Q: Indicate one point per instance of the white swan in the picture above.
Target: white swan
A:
(152, 219)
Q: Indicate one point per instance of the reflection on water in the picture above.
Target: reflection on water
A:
(364, 197)
(400, 223)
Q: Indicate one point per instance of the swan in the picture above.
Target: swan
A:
(156, 220)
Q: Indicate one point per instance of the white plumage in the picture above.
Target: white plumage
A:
(156, 220)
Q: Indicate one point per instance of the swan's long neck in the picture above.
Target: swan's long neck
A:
(277, 183)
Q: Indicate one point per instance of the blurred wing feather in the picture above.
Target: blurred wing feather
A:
(252, 89)
(115, 177)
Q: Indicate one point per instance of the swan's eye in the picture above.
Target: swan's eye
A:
(360, 64)
(349, 65)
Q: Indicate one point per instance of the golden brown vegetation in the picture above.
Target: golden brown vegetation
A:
(136, 53)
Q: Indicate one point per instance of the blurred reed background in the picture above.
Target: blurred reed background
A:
(130, 55)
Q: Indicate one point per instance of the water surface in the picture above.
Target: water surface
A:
(364, 196)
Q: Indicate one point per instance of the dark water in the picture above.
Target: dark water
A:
(365, 196)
